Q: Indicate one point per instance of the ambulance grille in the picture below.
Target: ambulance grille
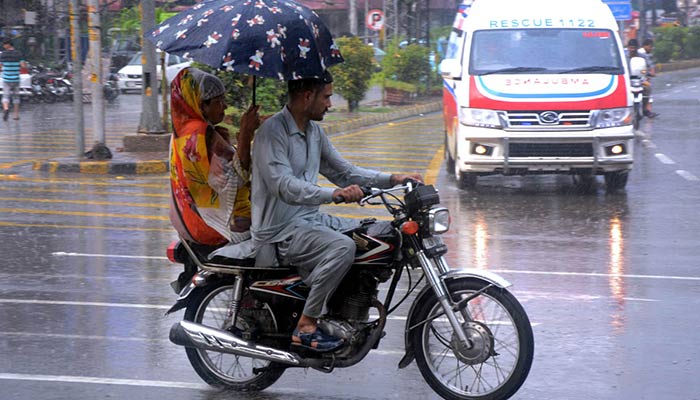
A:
(550, 150)
(526, 120)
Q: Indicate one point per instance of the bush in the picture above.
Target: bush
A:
(677, 43)
(663, 51)
(692, 42)
(410, 64)
(352, 77)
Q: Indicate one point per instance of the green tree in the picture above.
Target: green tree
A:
(270, 94)
(352, 77)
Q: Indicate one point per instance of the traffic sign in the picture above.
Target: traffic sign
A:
(375, 20)
(622, 10)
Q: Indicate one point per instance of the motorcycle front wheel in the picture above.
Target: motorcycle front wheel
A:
(212, 307)
(502, 344)
(638, 115)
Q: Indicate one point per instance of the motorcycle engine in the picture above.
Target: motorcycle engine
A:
(339, 329)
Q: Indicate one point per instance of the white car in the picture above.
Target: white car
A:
(130, 75)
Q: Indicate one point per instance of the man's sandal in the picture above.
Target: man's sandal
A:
(316, 341)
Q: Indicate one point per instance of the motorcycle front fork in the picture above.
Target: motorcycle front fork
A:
(433, 269)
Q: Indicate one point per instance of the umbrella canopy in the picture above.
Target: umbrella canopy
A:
(269, 38)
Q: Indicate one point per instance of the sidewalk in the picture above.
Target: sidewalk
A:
(156, 162)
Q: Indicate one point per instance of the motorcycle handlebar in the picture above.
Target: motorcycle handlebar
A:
(366, 191)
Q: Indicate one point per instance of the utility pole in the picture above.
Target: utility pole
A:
(353, 16)
(150, 120)
(98, 104)
(77, 77)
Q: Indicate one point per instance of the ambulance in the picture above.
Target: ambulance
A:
(537, 87)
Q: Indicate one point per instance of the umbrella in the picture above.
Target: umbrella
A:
(268, 38)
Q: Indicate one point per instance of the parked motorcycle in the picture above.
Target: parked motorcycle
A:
(469, 335)
(51, 86)
(638, 81)
(111, 87)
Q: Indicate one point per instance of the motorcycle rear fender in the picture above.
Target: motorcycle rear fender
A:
(183, 298)
(465, 273)
(188, 291)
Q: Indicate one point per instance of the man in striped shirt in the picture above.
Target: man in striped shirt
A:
(11, 61)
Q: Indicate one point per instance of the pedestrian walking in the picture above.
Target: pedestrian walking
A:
(10, 61)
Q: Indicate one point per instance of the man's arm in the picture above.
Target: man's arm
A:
(343, 173)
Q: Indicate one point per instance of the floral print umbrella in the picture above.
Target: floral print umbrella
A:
(269, 38)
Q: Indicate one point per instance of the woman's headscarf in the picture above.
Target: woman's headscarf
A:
(189, 159)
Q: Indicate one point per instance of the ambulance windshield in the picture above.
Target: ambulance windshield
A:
(545, 51)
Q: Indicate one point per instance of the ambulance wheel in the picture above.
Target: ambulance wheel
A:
(615, 180)
(449, 161)
(465, 180)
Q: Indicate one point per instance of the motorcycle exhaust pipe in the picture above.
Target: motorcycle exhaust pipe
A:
(190, 334)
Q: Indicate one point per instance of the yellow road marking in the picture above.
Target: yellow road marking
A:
(82, 214)
(84, 181)
(90, 192)
(363, 131)
(434, 168)
(117, 228)
(86, 202)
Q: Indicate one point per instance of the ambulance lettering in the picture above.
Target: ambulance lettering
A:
(541, 23)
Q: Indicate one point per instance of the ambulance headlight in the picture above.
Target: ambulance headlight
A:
(611, 117)
(480, 117)
(439, 220)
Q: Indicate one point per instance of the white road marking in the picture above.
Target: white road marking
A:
(83, 337)
(64, 254)
(598, 274)
(664, 158)
(103, 381)
(648, 144)
(84, 303)
(687, 175)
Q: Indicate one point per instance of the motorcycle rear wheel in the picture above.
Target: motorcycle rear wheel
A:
(501, 358)
(210, 307)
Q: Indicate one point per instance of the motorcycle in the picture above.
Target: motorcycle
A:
(51, 86)
(469, 336)
(638, 81)
(111, 88)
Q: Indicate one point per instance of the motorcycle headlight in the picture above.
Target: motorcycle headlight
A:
(480, 117)
(613, 117)
(438, 220)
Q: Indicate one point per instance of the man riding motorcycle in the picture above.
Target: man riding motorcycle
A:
(290, 151)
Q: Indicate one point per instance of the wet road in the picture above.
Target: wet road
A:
(610, 282)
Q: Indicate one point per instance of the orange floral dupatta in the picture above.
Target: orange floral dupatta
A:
(189, 161)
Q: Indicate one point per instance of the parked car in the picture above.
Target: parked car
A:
(123, 50)
(130, 76)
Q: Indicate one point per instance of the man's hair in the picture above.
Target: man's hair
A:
(7, 41)
(633, 42)
(313, 84)
(648, 42)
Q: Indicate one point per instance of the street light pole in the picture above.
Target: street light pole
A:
(77, 77)
(150, 120)
(98, 104)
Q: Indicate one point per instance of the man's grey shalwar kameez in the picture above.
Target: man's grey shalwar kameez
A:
(285, 204)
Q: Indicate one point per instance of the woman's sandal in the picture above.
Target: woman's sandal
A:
(316, 341)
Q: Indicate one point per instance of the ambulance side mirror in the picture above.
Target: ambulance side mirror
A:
(450, 68)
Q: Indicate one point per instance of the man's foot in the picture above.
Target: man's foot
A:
(5, 114)
(316, 341)
(650, 114)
